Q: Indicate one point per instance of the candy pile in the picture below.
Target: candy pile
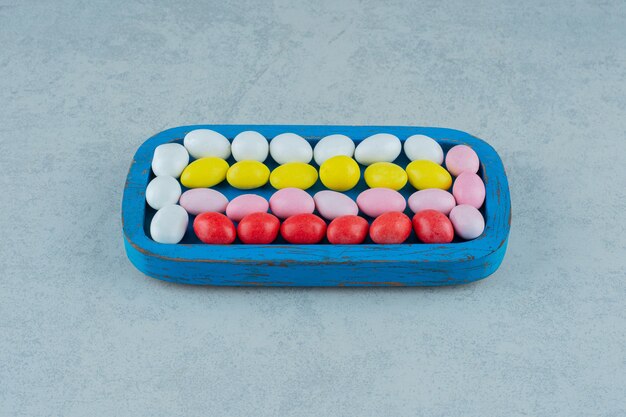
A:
(439, 215)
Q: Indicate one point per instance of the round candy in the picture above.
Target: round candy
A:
(202, 143)
(331, 204)
(467, 221)
(214, 229)
(169, 160)
(289, 147)
(340, 173)
(432, 226)
(469, 189)
(204, 172)
(303, 229)
(250, 146)
(420, 147)
(245, 204)
(347, 230)
(390, 228)
(169, 224)
(376, 201)
(293, 175)
(258, 228)
(291, 201)
(427, 174)
(246, 175)
(201, 200)
(381, 147)
(162, 191)
(432, 199)
(332, 145)
(386, 175)
(462, 158)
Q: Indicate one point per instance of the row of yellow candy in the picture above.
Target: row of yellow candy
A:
(339, 173)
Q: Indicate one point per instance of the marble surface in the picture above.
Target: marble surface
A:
(82, 84)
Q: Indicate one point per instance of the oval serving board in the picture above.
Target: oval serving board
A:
(281, 264)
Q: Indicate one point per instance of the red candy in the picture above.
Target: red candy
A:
(432, 226)
(214, 228)
(303, 229)
(392, 227)
(347, 230)
(258, 228)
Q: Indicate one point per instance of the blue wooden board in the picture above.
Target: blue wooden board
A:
(281, 264)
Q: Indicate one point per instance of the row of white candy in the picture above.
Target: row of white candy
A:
(289, 147)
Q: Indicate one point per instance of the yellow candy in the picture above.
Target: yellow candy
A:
(385, 175)
(340, 173)
(246, 175)
(204, 172)
(293, 174)
(427, 174)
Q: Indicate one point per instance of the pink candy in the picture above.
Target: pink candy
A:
(377, 201)
(331, 204)
(467, 221)
(462, 158)
(202, 200)
(469, 189)
(432, 199)
(291, 201)
(246, 204)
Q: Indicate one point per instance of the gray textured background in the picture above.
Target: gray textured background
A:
(83, 333)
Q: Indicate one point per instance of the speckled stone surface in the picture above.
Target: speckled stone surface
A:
(82, 333)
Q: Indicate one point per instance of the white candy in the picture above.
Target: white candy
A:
(381, 147)
(333, 145)
(169, 159)
(169, 224)
(202, 143)
(289, 147)
(163, 191)
(420, 147)
(250, 146)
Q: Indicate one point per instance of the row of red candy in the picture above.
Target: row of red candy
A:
(263, 228)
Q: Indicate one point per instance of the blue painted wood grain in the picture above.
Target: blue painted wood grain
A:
(280, 264)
